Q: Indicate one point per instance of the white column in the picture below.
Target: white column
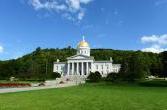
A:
(72, 69)
(91, 66)
(82, 67)
(87, 69)
(77, 69)
(68, 68)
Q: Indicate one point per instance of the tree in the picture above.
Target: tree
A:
(156, 69)
(123, 73)
(94, 77)
(112, 77)
(35, 65)
(136, 67)
(164, 63)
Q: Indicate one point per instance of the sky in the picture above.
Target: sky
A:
(115, 24)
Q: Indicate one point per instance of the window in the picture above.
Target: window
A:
(97, 67)
(61, 67)
(107, 66)
(101, 66)
(57, 67)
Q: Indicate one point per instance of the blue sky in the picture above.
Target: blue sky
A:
(116, 24)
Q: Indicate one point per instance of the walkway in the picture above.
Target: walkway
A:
(9, 90)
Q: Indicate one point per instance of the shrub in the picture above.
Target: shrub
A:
(94, 77)
(56, 75)
(112, 77)
(154, 83)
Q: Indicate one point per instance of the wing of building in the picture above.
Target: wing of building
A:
(82, 63)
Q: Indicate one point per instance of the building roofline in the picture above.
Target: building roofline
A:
(102, 61)
(116, 64)
(87, 57)
(59, 62)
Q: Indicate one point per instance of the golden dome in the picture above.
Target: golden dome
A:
(83, 44)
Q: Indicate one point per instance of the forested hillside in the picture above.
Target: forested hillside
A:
(39, 64)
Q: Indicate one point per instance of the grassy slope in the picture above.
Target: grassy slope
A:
(88, 97)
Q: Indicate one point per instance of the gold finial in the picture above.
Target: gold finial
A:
(83, 43)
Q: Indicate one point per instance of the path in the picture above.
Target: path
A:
(9, 90)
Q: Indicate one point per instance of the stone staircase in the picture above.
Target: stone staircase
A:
(71, 80)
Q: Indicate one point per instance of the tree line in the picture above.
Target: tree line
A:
(38, 65)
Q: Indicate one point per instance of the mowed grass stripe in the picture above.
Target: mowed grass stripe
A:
(88, 97)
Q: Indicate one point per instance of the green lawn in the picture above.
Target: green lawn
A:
(88, 97)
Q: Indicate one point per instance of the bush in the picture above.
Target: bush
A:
(112, 77)
(56, 75)
(94, 77)
(154, 83)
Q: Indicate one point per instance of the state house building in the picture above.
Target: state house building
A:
(82, 63)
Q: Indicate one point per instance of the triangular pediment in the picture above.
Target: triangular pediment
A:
(79, 57)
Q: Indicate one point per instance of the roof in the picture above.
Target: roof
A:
(59, 62)
(103, 62)
(78, 57)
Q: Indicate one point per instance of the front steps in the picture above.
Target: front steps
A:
(71, 80)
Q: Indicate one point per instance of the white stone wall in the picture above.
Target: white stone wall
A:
(103, 67)
(116, 68)
(59, 67)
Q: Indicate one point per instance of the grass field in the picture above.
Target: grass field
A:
(88, 97)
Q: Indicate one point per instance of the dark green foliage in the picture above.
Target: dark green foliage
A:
(35, 66)
(156, 69)
(38, 65)
(135, 68)
(164, 63)
(94, 77)
(56, 75)
(112, 77)
(154, 83)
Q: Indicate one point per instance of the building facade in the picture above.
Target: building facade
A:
(82, 63)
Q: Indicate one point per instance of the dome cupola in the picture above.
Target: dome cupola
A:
(83, 48)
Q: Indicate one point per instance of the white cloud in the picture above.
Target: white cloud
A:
(37, 4)
(74, 4)
(1, 49)
(149, 39)
(158, 43)
(81, 15)
(158, 39)
(73, 8)
(154, 49)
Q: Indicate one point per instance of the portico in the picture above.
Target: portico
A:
(76, 67)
